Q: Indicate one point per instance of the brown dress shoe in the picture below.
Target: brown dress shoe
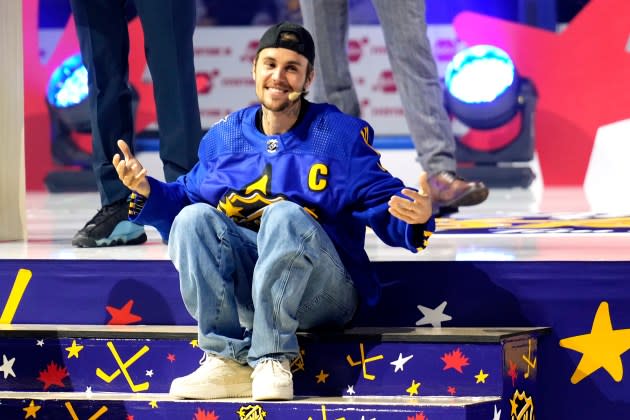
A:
(448, 190)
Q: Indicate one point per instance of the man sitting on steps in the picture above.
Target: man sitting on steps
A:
(267, 231)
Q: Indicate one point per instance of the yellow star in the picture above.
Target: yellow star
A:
(230, 209)
(514, 406)
(194, 343)
(481, 378)
(322, 376)
(413, 389)
(73, 350)
(602, 348)
(31, 410)
(153, 404)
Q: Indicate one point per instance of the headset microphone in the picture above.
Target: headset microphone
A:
(293, 96)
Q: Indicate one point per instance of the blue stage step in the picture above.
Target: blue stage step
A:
(460, 368)
(567, 296)
(160, 406)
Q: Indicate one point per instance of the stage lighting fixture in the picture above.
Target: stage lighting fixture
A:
(66, 97)
(68, 108)
(492, 110)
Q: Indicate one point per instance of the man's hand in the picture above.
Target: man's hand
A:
(415, 210)
(130, 171)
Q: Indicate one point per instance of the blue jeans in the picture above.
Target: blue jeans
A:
(250, 292)
(415, 73)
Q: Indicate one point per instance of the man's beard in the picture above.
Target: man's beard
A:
(276, 107)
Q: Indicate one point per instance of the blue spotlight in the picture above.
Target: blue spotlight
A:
(67, 94)
(492, 110)
(68, 107)
(68, 84)
(482, 87)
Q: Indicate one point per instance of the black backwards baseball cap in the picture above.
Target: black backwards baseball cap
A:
(301, 43)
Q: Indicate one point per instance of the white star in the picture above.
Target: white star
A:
(497, 414)
(149, 373)
(400, 363)
(434, 317)
(7, 366)
(40, 343)
(350, 390)
(88, 391)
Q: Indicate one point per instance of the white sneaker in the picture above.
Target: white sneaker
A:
(272, 380)
(215, 378)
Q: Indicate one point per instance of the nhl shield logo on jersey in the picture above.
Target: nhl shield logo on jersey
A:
(272, 145)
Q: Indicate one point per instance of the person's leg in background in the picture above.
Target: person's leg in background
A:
(415, 72)
(104, 42)
(327, 21)
(168, 27)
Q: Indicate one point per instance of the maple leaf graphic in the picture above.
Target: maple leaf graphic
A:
(455, 360)
(418, 416)
(205, 415)
(53, 375)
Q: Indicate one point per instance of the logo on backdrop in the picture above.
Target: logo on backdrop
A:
(250, 51)
(385, 82)
(444, 49)
(204, 81)
(355, 49)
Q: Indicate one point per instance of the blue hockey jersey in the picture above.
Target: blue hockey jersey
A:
(325, 163)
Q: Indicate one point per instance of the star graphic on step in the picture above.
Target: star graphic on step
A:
(512, 372)
(400, 363)
(194, 343)
(40, 343)
(73, 350)
(350, 390)
(7, 367)
(171, 357)
(413, 389)
(122, 316)
(435, 317)
(149, 373)
(514, 406)
(31, 410)
(153, 404)
(497, 413)
(602, 348)
(481, 377)
(321, 378)
(88, 391)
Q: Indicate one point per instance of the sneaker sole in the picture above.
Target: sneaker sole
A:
(235, 391)
(84, 242)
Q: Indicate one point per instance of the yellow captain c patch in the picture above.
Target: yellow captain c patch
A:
(317, 177)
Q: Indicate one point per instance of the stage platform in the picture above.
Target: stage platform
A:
(526, 258)
(557, 224)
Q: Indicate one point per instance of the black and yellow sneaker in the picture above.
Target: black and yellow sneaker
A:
(110, 227)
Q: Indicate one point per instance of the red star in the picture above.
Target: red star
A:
(512, 372)
(129, 417)
(171, 357)
(581, 76)
(452, 390)
(122, 316)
